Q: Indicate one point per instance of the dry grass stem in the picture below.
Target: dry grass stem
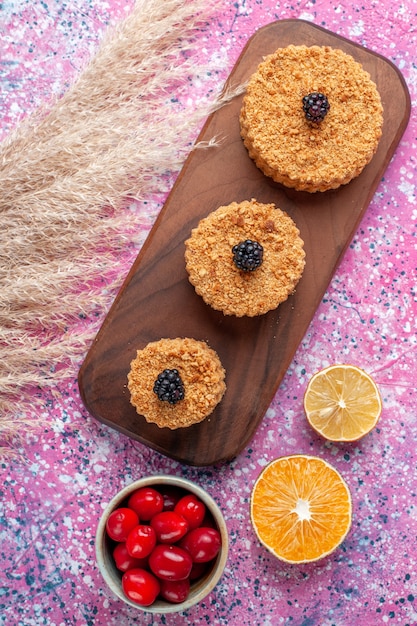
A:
(66, 174)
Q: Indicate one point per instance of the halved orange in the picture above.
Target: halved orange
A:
(301, 508)
(342, 403)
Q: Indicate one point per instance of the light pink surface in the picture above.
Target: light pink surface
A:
(50, 506)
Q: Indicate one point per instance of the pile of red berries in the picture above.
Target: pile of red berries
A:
(164, 539)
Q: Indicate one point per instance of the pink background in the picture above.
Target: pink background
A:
(51, 503)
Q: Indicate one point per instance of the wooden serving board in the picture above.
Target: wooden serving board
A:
(157, 300)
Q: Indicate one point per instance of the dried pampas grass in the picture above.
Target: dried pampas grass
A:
(66, 174)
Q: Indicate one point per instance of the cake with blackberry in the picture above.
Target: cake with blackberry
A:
(311, 117)
(245, 258)
(175, 383)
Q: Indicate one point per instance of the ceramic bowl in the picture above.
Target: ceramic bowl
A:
(201, 587)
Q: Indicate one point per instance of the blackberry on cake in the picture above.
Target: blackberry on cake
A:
(169, 386)
(248, 255)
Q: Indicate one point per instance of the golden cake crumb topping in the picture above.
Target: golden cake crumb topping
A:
(289, 148)
(212, 271)
(201, 372)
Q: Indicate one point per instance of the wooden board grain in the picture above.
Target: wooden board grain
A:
(157, 300)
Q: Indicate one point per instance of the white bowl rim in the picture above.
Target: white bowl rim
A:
(161, 606)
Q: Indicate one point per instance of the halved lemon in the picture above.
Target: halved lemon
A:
(301, 508)
(342, 403)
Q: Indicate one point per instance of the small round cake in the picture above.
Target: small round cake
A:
(175, 383)
(311, 117)
(245, 258)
